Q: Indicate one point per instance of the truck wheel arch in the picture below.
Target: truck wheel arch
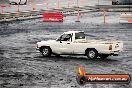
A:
(43, 47)
(89, 49)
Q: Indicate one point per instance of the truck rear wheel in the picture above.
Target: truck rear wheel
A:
(92, 53)
(46, 51)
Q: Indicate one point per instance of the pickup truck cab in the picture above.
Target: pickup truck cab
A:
(74, 42)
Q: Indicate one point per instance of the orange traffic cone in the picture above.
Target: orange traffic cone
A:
(104, 18)
(78, 17)
(34, 7)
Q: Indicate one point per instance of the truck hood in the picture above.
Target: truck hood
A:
(42, 43)
(47, 42)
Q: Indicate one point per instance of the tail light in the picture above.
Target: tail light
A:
(110, 47)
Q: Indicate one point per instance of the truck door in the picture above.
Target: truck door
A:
(63, 44)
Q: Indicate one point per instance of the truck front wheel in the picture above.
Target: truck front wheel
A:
(92, 53)
(46, 51)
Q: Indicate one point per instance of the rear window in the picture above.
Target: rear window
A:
(80, 35)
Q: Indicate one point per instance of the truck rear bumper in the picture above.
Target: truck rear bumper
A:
(113, 53)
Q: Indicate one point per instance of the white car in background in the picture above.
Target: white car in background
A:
(74, 42)
(18, 2)
(121, 2)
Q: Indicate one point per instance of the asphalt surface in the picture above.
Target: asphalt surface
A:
(22, 67)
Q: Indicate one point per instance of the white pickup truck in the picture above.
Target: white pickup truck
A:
(74, 42)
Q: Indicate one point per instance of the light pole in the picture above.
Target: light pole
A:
(46, 3)
(58, 2)
(77, 4)
(78, 14)
(129, 5)
(68, 4)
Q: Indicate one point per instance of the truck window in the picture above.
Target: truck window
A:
(65, 37)
(80, 35)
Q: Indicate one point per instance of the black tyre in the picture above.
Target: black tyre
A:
(103, 56)
(92, 53)
(46, 51)
(81, 80)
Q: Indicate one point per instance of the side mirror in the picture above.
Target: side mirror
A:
(60, 41)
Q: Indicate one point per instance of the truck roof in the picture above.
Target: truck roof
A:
(69, 32)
